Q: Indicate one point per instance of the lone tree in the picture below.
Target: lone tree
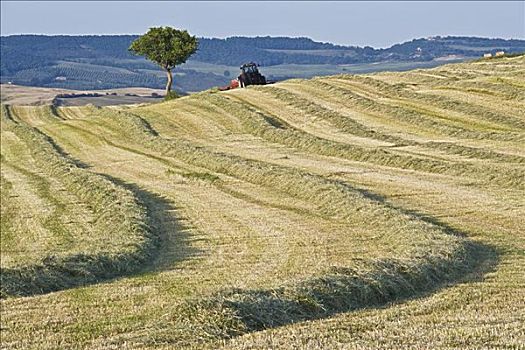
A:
(167, 47)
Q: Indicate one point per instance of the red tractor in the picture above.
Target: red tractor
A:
(249, 76)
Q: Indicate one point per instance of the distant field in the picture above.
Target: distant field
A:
(342, 212)
(28, 95)
(108, 100)
(327, 52)
(311, 70)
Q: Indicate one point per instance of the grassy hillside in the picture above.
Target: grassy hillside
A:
(373, 211)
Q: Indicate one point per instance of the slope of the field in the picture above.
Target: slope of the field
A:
(378, 211)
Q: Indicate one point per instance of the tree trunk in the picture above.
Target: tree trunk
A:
(170, 81)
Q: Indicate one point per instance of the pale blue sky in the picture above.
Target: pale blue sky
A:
(378, 24)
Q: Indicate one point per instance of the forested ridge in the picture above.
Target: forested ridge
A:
(103, 61)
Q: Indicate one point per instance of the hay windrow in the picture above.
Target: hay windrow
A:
(256, 122)
(295, 215)
(118, 214)
(349, 125)
(431, 254)
(232, 313)
(430, 121)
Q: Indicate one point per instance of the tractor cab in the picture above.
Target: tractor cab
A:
(250, 68)
(250, 75)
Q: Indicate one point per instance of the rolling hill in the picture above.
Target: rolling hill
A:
(349, 211)
(104, 62)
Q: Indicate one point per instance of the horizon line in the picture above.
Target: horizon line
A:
(270, 36)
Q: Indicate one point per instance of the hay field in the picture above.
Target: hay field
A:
(37, 96)
(342, 212)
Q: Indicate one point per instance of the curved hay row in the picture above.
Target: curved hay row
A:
(366, 284)
(434, 122)
(273, 129)
(118, 214)
(383, 89)
(351, 126)
(493, 80)
(428, 254)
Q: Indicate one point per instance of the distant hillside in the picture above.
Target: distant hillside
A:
(103, 62)
(281, 50)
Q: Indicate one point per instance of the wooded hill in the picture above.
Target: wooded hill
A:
(102, 62)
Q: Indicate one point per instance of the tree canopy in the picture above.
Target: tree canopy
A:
(166, 46)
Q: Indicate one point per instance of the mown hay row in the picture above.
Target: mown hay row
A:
(37, 218)
(433, 123)
(427, 254)
(348, 125)
(275, 130)
(7, 210)
(118, 215)
(383, 89)
(232, 313)
(473, 152)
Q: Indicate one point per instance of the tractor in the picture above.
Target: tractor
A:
(249, 76)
